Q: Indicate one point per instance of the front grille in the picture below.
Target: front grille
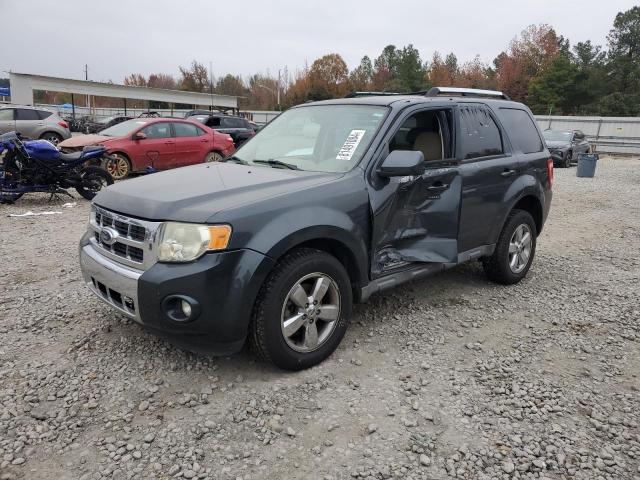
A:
(129, 241)
(129, 252)
(125, 229)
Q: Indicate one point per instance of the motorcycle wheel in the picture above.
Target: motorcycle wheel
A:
(94, 179)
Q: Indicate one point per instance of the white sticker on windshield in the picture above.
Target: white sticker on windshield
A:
(351, 143)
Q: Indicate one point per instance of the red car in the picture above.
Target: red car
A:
(161, 143)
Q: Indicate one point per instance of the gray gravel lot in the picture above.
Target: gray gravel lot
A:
(447, 377)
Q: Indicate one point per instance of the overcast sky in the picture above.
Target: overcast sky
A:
(118, 37)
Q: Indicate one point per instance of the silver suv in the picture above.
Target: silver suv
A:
(34, 122)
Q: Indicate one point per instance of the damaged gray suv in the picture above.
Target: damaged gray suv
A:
(330, 203)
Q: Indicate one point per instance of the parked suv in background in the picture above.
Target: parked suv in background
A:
(565, 146)
(239, 128)
(33, 122)
(331, 202)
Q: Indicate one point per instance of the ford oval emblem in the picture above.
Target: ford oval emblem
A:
(108, 236)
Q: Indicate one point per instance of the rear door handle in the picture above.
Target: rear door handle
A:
(508, 173)
(438, 187)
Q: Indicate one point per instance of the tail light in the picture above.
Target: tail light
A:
(63, 124)
(550, 171)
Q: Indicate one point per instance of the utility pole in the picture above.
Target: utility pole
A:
(86, 77)
(278, 88)
(211, 82)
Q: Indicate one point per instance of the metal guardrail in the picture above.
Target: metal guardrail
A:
(618, 135)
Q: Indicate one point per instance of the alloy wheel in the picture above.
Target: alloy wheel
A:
(118, 167)
(520, 248)
(310, 312)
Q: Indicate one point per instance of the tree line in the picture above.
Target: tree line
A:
(539, 67)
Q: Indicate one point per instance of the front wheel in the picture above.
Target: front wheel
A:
(567, 160)
(118, 166)
(93, 179)
(514, 251)
(302, 310)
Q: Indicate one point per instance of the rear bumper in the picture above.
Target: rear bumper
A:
(224, 285)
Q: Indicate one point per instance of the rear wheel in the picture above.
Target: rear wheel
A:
(118, 166)
(51, 137)
(514, 251)
(213, 157)
(302, 310)
(94, 179)
(567, 159)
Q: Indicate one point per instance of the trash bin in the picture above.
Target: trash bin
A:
(587, 165)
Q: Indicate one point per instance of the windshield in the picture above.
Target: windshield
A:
(105, 120)
(124, 128)
(321, 138)
(556, 136)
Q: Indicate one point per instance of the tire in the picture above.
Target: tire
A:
(567, 160)
(52, 137)
(213, 157)
(118, 166)
(96, 179)
(277, 301)
(499, 267)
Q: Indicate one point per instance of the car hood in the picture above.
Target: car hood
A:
(84, 141)
(197, 193)
(557, 144)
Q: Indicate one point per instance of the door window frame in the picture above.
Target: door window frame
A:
(382, 150)
(507, 150)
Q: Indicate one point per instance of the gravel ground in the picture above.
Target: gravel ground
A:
(447, 377)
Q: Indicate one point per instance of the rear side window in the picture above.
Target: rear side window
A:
(522, 130)
(480, 135)
(186, 130)
(26, 114)
(44, 114)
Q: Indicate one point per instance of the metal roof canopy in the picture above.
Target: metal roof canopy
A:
(23, 85)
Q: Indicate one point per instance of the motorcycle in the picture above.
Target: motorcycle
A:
(38, 166)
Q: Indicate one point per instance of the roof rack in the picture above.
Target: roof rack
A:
(371, 94)
(464, 92)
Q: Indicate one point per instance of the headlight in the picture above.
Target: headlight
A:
(183, 242)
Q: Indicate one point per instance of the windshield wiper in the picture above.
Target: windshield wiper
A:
(277, 163)
(233, 158)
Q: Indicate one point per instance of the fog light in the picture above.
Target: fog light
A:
(186, 308)
(181, 308)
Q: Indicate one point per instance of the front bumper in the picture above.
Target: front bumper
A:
(224, 284)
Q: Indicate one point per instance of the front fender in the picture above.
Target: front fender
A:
(305, 224)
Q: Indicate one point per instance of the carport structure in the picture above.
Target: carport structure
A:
(23, 85)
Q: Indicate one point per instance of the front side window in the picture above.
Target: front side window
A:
(427, 131)
(158, 130)
(320, 138)
(6, 114)
(522, 130)
(479, 133)
(26, 114)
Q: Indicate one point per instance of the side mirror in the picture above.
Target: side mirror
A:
(139, 136)
(402, 163)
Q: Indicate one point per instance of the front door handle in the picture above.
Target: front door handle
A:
(438, 187)
(508, 172)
